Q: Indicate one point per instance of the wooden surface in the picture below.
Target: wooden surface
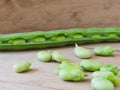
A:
(42, 75)
(33, 15)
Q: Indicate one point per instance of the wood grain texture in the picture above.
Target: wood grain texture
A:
(42, 76)
(34, 15)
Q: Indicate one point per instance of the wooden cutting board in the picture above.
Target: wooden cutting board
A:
(42, 76)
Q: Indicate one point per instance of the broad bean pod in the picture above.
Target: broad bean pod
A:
(57, 38)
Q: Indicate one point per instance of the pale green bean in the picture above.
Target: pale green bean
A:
(82, 52)
(44, 56)
(22, 66)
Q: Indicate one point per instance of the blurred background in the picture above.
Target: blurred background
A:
(35, 15)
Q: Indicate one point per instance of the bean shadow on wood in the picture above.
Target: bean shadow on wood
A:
(32, 70)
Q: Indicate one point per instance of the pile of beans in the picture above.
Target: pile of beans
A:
(104, 77)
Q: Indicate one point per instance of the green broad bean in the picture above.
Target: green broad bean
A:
(17, 41)
(60, 37)
(108, 75)
(76, 36)
(70, 71)
(104, 50)
(90, 65)
(0, 42)
(71, 75)
(22, 66)
(38, 39)
(68, 66)
(96, 36)
(114, 79)
(100, 83)
(112, 68)
(58, 56)
(44, 56)
(101, 73)
(118, 74)
(112, 35)
(82, 52)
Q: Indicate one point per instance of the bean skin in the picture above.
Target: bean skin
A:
(104, 50)
(38, 39)
(91, 65)
(101, 84)
(110, 67)
(0, 42)
(44, 56)
(58, 38)
(71, 75)
(58, 56)
(76, 36)
(82, 52)
(22, 66)
(107, 75)
(17, 41)
(55, 38)
(69, 71)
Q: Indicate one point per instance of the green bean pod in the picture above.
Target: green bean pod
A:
(57, 38)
